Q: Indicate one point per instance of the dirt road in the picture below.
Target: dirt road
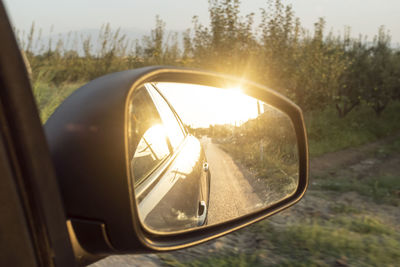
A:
(231, 195)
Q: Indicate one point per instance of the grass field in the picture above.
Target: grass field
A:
(327, 132)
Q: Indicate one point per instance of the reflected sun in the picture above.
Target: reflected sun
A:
(202, 106)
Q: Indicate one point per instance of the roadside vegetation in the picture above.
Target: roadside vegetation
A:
(267, 147)
(316, 68)
(348, 87)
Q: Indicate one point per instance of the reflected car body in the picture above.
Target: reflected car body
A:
(168, 165)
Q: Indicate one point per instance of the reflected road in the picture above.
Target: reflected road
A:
(231, 195)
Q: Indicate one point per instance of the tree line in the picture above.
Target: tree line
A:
(314, 68)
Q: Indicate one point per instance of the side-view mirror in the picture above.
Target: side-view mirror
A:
(162, 158)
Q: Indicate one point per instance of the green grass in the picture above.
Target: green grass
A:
(363, 225)
(363, 241)
(48, 97)
(340, 208)
(327, 132)
(382, 190)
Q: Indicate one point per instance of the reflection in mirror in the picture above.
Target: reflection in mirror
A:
(202, 155)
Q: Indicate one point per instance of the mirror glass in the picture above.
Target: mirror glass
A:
(202, 155)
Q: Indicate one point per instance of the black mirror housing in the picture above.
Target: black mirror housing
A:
(88, 143)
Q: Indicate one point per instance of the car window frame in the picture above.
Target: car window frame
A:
(29, 159)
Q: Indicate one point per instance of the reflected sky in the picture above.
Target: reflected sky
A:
(201, 106)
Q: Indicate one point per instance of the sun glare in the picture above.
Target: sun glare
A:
(202, 106)
(235, 90)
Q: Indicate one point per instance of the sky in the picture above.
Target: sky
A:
(364, 16)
